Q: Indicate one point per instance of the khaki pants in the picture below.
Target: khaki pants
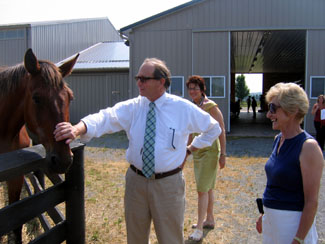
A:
(162, 201)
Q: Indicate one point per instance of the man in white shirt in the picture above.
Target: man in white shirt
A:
(161, 196)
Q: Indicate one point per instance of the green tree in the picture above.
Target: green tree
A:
(241, 88)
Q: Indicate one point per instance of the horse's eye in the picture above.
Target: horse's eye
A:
(37, 99)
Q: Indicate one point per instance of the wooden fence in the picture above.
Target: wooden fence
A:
(68, 189)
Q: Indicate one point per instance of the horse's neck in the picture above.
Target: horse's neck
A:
(12, 113)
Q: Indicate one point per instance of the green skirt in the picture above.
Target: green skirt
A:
(205, 166)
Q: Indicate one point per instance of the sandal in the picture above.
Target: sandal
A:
(205, 226)
(197, 235)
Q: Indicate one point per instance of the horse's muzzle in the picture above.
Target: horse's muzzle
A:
(58, 164)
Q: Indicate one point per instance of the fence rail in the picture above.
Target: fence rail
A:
(69, 190)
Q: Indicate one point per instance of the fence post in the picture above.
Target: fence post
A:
(75, 204)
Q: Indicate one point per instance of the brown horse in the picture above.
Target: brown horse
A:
(33, 95)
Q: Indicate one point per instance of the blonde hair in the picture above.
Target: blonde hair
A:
(291, 97)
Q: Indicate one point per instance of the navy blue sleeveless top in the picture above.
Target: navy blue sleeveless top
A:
(284, 188)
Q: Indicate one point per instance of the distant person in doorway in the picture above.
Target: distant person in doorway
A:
(206, 160)
(254, 105)
(293, 171)
(318, 122)
(262, 103)
(248, 103)
(237, 108)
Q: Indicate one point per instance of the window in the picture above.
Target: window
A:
(12, 34)
(215, 86)
(317, 86)
(177, 86)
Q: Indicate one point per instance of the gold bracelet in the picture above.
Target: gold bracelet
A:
(299, 240)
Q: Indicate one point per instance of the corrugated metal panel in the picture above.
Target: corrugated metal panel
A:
(107, 55)
(171, 45)
(211, 58)
(315, 65)
(95, 91)
(13, 45)
(58, 41)
(239, 14)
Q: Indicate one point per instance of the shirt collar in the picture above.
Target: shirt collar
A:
(159, 102)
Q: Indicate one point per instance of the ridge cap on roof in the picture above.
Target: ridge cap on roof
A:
(52, 22)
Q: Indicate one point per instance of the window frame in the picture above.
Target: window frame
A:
(311, 86)
(210, 88)
(183, 87)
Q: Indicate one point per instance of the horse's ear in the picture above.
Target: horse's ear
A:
(31, 62)
(66, 68)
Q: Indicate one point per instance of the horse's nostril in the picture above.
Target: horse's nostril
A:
(54, 160)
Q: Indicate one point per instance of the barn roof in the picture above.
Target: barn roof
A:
(103, 56)
(50, 22)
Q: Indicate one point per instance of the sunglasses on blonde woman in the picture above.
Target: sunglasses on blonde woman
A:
(273, 108)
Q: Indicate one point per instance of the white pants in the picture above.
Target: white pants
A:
(280, 227)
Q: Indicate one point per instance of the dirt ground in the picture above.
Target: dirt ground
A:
(239, 205)
(238, 185)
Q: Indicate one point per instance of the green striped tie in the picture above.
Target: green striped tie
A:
(148, 156)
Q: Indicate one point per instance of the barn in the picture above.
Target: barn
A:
(100, 78)
(283, 40)
(54, 40)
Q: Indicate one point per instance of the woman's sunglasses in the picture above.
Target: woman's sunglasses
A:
(273, 108)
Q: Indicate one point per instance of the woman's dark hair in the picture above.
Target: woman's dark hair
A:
(196, 80)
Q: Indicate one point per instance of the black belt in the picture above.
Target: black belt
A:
(157, 175)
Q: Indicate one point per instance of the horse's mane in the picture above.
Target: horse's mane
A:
(11, 77)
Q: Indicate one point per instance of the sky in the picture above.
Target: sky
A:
(254, 82)
(120, 12)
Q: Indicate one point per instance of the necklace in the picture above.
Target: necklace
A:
(201, 102)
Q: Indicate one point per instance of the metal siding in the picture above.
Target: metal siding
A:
(13, 50)
(174, 47)
(95, 91)
(239, 14)
(56, 42)
(211, 58)
(315, 67)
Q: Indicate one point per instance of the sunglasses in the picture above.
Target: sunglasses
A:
(273, 108)
(144, 79)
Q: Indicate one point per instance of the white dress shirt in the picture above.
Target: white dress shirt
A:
(176, 118)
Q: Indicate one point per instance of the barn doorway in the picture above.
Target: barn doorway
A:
(279, 56)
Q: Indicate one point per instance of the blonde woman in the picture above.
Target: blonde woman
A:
(293, 171)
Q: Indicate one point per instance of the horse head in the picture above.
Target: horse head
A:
(46, 104)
